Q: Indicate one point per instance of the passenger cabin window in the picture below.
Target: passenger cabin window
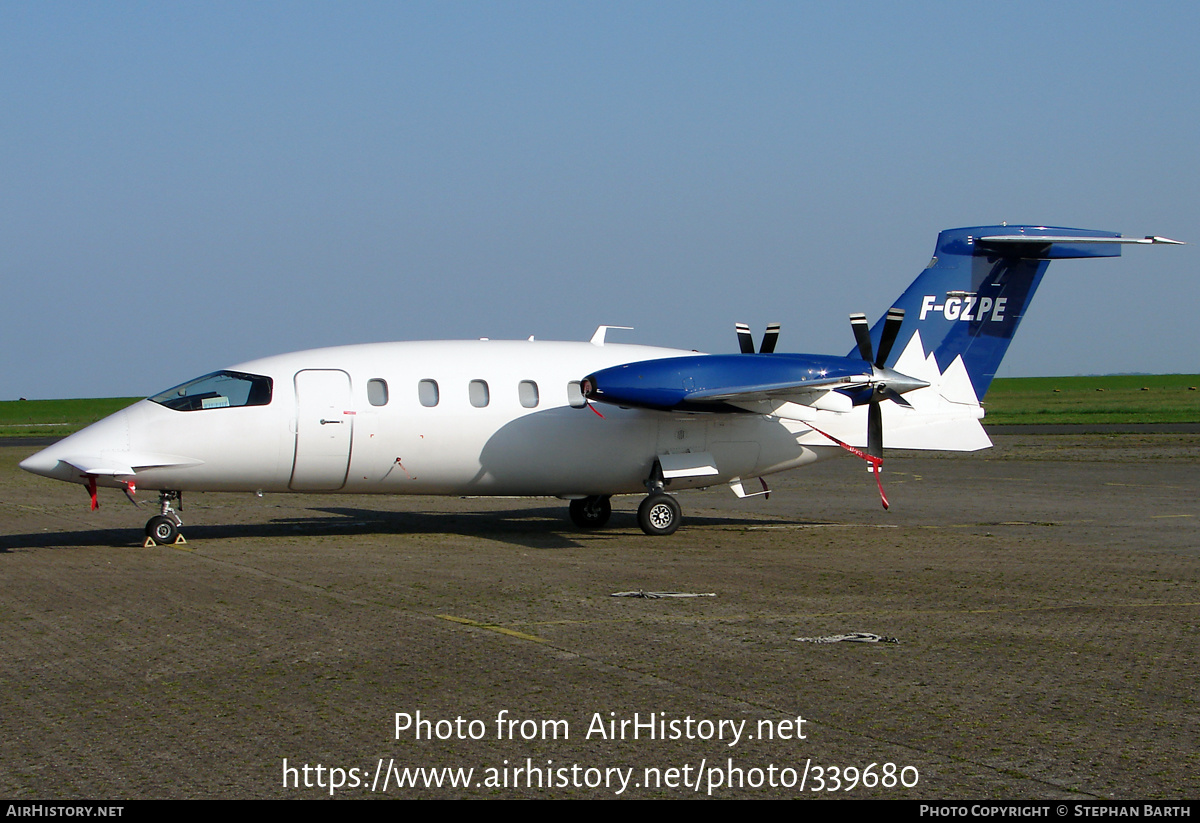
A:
(219, 390)
(527, 390)
(377, 394)
(479, 393)
(427, 391)
(575, 395)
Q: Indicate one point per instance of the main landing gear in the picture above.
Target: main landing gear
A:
(163, 528)
(659, 514)
(591, 512)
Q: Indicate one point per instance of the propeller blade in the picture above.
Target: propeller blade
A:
(862, 334)
(745, 340)
(891, 327)
(880, 377)
(875, 429)
(770, 339)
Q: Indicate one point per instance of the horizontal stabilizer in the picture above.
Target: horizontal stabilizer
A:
(1024, 238)
(1027, 243)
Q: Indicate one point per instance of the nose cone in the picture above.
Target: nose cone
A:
(62, 461)
(43, 463)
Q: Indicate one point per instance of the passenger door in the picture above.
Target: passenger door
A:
(324, 430)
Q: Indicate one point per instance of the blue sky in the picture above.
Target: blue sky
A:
(187, 186)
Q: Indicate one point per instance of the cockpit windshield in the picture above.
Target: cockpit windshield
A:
(219, 390)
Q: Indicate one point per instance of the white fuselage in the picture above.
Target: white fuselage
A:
(521, 429)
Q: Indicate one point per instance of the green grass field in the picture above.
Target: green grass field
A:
(1160, 398)
(1122, 398)
(55, 418)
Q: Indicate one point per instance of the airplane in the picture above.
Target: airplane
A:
(583, 421)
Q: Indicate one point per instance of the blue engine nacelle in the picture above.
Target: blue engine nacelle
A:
(705, 382)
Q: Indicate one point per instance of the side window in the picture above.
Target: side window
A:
(479, 393)
(377, 394)
(575, 395)
(527, 390)
(427, 391)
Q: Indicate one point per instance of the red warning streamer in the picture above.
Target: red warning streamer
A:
(872, 460)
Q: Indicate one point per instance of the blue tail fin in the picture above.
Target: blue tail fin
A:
(972, 295)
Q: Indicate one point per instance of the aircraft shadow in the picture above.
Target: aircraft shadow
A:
(69, 539)
(543, 527)
(532, 528)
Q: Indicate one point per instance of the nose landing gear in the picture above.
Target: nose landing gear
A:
(163, 528)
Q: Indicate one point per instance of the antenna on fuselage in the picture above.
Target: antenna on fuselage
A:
(601, 331)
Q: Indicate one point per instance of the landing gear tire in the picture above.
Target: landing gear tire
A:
(162, 530)
(590, 512)
(659, 514)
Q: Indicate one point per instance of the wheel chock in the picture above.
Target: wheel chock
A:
(150, 544)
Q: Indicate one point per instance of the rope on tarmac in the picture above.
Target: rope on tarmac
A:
(657, 595)
(852, 637)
